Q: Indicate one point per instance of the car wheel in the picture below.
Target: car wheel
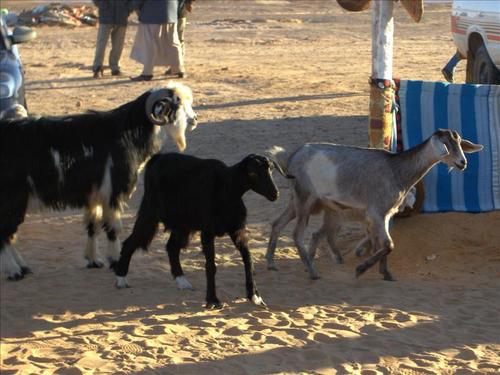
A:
(483, 69)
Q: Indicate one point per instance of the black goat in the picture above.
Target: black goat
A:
(189, 194)
(88, 161)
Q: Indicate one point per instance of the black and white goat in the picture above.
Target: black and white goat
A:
(88, 161)
(189, 194)
(371, 182)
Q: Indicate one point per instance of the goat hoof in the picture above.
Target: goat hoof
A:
(216, 305)
(388, 277)
(315, 277)
(95, 264)
(16, 276)
(26, 270)
(271, 265)
(183, 283)
(121, 282)
(340, 260)
(257, 300)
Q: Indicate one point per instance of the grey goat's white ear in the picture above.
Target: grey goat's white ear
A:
(439, 146)
(469, 147)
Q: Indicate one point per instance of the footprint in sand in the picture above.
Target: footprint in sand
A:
(233, 331)
(321, 337)
(257, 337)
(36, 345)
(262, 314)
(155, 331)
(92, 347)
(276, 341)
(467, 355)
(389, 325)
(371, 372)
(297, 334)
(402, 318)
(282, 323)
(331, 325)
(33, 358)
(132, 348)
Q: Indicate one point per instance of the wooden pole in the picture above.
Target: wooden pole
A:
(382, 88)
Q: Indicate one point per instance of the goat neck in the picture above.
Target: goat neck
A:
(412, 165)
(140, 132)
(237, 180)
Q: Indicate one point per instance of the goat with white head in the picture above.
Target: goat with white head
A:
(372, 181)
(89, 161)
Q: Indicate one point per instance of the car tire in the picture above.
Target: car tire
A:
(483, 69)
(469, 71)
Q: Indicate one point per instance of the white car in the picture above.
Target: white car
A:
(475, 25)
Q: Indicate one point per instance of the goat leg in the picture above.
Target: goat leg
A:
(383, 269)
(278, 225)
(112, 225)
(90, 220)
(175, 243)
(207, 243)
(12, 212)
(332, 226)
(298, 236)
(379, 256)
(240, 240)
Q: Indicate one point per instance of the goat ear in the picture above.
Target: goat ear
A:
(469, 147)
(440, 147)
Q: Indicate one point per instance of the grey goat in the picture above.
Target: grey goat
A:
(373, 182)
(332, 221)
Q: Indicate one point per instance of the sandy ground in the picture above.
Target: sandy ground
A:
(263, 73)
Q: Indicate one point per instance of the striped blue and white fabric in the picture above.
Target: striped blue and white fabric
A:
(473, 111)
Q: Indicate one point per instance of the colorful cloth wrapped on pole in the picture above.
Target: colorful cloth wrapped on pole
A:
(473, 111)
(380, 130)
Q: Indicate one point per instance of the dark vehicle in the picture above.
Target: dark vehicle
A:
(12, 94)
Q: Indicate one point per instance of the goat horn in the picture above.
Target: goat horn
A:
(281, 171)
(151, 102)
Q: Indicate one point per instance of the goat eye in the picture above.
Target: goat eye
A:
(252, 174)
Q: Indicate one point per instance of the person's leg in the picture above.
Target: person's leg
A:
(152, 35)
(102, 39)
(181, 27)
(449, 69)
(173, 48)
(145, 49)
(117, 42)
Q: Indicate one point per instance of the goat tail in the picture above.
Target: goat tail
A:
(146, 224)
(280, 156)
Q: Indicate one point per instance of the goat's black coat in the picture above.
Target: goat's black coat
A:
(124, 134)
(189, 194)
(84, 145)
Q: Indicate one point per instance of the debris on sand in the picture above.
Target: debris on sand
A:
(57, 14)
